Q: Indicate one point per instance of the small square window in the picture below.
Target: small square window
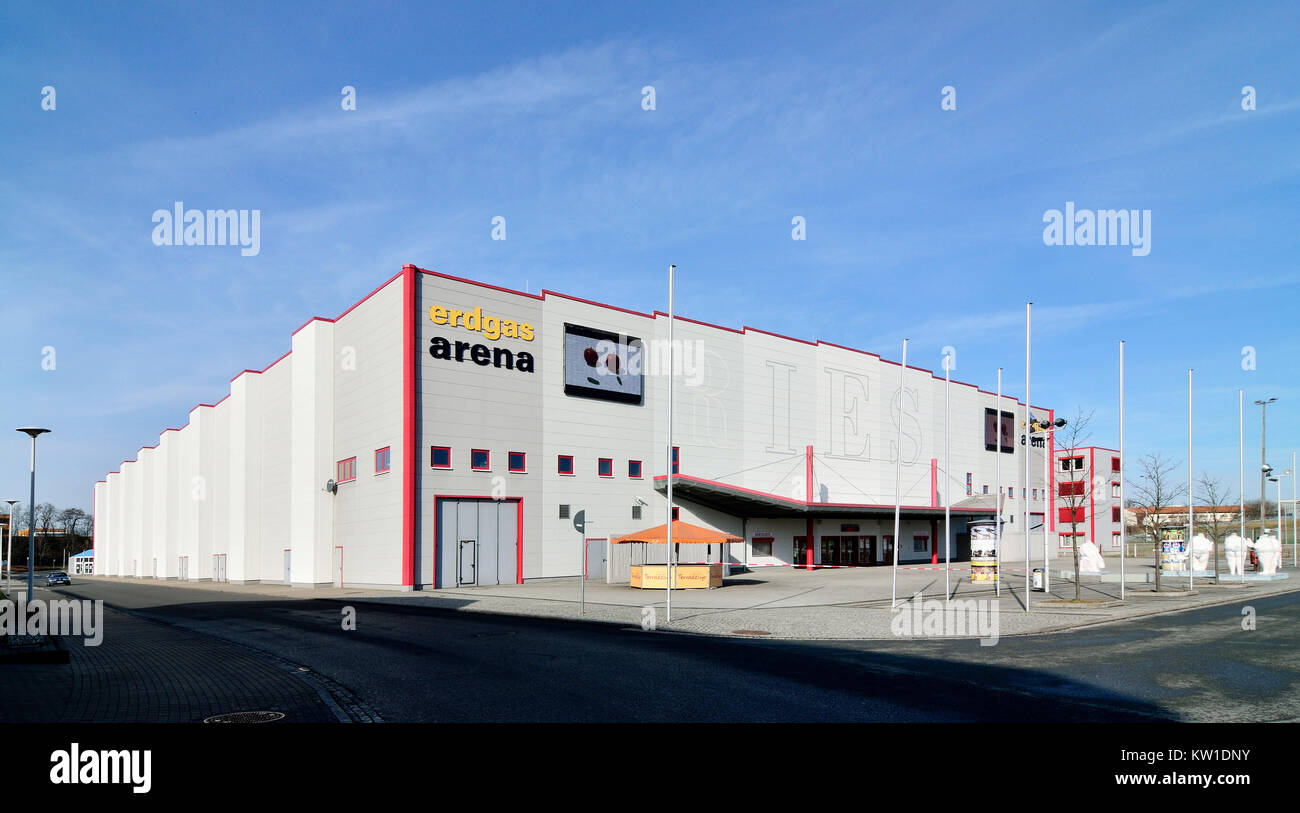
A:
(1114, 464)
(1114, 490)
(440, 457)
(564, 511)
(516, 462)
(480, 460)
(383, 459)
(762, 546)
(986, 489)
(677, 514)
(920, 544)
(605, 466)
(634, 469)
(346, 470)
(565, 465)
(1115, 514)
(636, 512)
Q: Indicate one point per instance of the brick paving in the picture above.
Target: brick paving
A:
(145, 671)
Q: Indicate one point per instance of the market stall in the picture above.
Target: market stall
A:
(686, 575)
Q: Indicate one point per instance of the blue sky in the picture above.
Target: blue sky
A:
(921, 222)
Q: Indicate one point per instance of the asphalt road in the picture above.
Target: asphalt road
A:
(427, 665)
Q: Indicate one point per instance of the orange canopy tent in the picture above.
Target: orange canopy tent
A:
(684, 533)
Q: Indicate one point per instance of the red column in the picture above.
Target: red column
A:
(934, 541)
(409, 455)
(808, 498)
(808, 476)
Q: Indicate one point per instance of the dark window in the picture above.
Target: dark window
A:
(440, 457)
(515, 462)
(383, 459)
(1114, 514)
(605, 467)
(676, 512)
(634, 469)
(480, 460)
(564, 512)
(763, 546)
(677, 459)
(566, 464)
(1114, 464)
(636, 512)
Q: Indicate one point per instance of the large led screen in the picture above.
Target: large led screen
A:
(600, 364)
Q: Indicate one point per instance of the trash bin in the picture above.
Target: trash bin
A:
(1039, 573)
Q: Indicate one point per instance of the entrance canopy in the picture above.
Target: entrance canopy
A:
(745, 502)
(684, 533)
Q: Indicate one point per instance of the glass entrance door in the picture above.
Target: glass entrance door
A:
(830, 550)
(848, 550)
(867, 551)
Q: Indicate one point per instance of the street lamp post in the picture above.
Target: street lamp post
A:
(1263, 433)
(9, 552)
(33, 433)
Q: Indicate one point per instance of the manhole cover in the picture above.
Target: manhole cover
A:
(750, 632)
(246, 717)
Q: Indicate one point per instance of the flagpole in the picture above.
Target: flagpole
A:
(1123, 506)
(947, 474)
(997, 504)
(1191, 503)
(898, 474)
(1047, 463)
(1241, 484)
(1028, 444)
(668, 554)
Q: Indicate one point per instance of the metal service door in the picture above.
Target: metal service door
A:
(288, 570)
(466, 555)
(338, 566)
(487, 538)
(479, 541)
(596, 553)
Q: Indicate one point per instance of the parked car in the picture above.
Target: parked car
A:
(56, 577)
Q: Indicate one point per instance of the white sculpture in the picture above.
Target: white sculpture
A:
(1235, 548)
(1269, 551)
(1201, 547)
(1090, 560)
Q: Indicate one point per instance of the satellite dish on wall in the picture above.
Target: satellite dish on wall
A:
(331, 486)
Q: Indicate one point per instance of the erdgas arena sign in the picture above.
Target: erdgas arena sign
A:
(492, 328)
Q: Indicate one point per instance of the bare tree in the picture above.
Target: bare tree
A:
(1214, 494)
(45, 514)
(72, 519)
(1154, 491)
(1075, 478)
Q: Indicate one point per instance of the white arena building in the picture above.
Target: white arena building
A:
(444, 432)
